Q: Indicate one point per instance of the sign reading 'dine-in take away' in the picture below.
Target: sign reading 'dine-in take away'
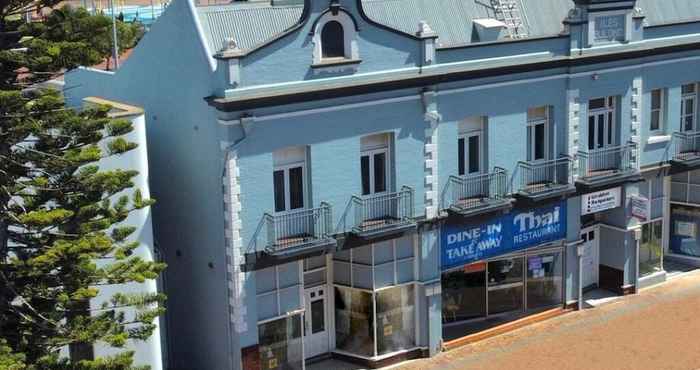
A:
(601, 201)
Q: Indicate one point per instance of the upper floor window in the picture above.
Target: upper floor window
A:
(470, 146)
(374, 163)
(601, 123)
(333, 40)
(289, 178)
(689, 107)
(656, 121)
(538, 133)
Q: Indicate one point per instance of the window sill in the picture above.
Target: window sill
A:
(334, 62)
(658, 139)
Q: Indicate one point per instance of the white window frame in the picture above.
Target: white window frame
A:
(531, 124)
(661, 110)
(466, 136)
(287, 188)
(349, 34)
(371, 153)
(609, 126)
(692, 97)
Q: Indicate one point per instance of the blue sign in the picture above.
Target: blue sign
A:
(463, 244)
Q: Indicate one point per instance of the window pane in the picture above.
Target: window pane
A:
(505, 285)
(596, 103)
(364, 163)
(538, 113)
(655, 120)
(278, 177)
(688, 125)
(318, 319)
(461, 155)
(354, 321)
(690, 106)
(544, 280)
(688, 89)
(601, 131)
(395, 319)
(474, 154)
(611, 136)
(379, 172)
(296, 188)
(332, 40)
(280, 344)
(464, 293)
(656, 99)
(539, 141)
(591, 132)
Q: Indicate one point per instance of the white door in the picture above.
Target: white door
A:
(590, 260)
(316, 322)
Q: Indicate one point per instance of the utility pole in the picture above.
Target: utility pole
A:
(115, 47)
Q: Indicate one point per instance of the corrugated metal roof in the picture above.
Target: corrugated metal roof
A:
(254, 24)
(250, 26)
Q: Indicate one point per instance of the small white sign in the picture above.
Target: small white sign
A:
(640, 207)
(601, 201)
(685, 229)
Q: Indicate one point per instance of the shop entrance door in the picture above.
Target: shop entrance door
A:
(315, 322)
(590, 260)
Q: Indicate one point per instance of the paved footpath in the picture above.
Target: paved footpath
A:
(658, 329)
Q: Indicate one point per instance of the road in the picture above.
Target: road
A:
(657, 329)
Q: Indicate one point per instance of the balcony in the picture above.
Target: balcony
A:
(383, 214)
(543, 180)
(299, 232)
(686, 150)
(607, 166)
(477, 194)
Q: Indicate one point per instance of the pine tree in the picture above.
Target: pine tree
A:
(62, 231)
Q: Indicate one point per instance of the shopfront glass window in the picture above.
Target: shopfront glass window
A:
(464, 293)
(544, 280)
(354, 321)
(280, 344)
(395, 319)
(650, 248)
(685, 223)
(505, 285)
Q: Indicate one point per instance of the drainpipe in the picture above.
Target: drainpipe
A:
(579, 256)
(637, 239)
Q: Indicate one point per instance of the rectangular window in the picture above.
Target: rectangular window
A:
(280, 344)
(538, 133)
(289, 188)
(395, 319)
(354, 321)
(688, 107)
(657, 110)
(374, 164)
(601, 123)
(470, 153)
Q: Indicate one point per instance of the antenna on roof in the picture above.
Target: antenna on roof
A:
(509, 12)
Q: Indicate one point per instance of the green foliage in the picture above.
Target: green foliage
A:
(9, 360)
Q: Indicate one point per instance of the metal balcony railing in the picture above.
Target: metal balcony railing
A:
(383, 211)
(541, 176)
(298, 228)
(606, 161)
(686, 146)
(472, 191)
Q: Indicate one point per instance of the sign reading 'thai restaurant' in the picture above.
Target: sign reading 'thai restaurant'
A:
(466, 243)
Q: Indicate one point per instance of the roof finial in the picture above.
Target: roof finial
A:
(230, 44)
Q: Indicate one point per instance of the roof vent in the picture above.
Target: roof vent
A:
(488, 29)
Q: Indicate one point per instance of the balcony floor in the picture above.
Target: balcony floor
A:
(467, 207)
(607, 177)
(687, 160)
(545, 190)
(299, 245)
(379, 227)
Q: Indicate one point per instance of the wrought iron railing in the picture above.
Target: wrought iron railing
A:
(606, 161)
(297, 228)
(471, 191)
(385, 210)
(686, 145)
(539, 176)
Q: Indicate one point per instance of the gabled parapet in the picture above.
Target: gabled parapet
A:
(598, 23)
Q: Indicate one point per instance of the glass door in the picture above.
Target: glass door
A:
(315, 322)
(505, 285)
(688, 105)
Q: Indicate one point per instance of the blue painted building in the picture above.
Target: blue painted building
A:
(376, 180)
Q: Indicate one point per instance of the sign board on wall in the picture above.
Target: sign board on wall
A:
(640, 207)
(465, 243)
(609, 28)
(687, 229)
(601, 201)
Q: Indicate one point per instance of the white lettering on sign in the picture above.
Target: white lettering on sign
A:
(530, 220)
(610, 28)
(601, 201)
